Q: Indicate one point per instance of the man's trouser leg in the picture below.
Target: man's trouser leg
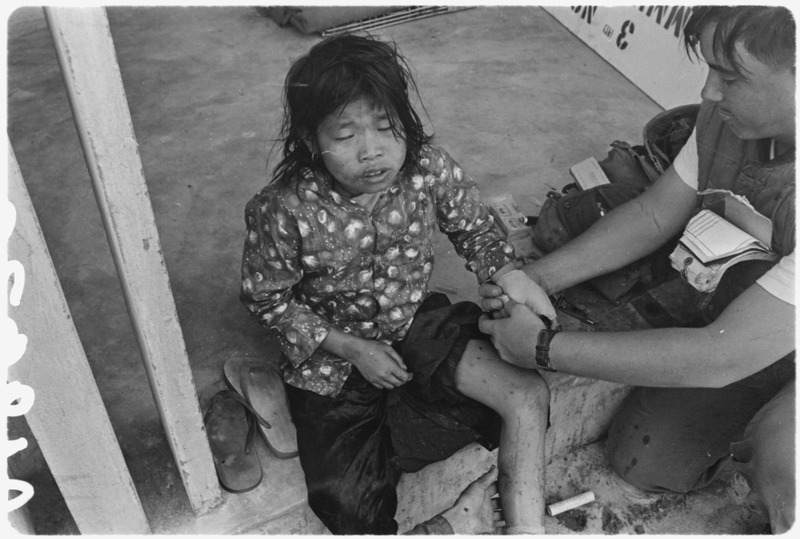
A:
(668, 439)
(765, 457)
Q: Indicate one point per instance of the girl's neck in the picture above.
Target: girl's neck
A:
(339, 188)
(365, 200)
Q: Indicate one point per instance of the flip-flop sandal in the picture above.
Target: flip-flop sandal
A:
(262, 387)
(231, 427)
(233, 370)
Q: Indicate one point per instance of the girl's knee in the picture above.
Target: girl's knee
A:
(483, 375)
(526, 391)
(534, 388)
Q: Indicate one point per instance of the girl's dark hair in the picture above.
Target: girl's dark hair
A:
(766, 32)
(334, 73)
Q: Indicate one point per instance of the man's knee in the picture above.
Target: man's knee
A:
(642, 458)
(766, 458)
(631, 464)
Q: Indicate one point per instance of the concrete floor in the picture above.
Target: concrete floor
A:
(512, 95)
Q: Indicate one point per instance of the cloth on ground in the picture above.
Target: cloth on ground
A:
(311, 19)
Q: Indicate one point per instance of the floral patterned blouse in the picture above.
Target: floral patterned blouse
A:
(314, 259)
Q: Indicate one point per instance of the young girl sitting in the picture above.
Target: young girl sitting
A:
(382, 375)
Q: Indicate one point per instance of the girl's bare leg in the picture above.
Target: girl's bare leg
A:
(521, 398)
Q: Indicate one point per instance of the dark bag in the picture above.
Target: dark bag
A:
(631, 170)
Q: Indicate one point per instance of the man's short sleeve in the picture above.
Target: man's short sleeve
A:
(779, 281)
(686, 163)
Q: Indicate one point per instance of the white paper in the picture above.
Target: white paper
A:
(711, 238)
(588, 173)
(741, 213)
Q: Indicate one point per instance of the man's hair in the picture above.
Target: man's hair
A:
(334, 73)
(766, 32)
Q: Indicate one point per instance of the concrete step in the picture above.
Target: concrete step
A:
(720, 509)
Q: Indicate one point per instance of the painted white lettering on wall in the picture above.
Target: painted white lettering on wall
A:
(17, 397)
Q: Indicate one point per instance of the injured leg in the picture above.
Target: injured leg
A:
(521, 398)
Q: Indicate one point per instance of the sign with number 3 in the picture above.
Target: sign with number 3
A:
(644, 43)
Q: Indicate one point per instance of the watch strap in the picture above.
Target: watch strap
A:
(542, 355)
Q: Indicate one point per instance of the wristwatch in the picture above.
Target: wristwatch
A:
(543, 346)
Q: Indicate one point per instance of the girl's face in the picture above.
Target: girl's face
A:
(359, 148)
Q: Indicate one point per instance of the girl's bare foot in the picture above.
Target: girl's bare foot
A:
(475, 510)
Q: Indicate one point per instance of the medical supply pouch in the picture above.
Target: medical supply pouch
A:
(568, 213)
(630, 170)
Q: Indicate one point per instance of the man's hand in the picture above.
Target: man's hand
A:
(379, 363)
(474, 512)
(514, 337)
(522, 289)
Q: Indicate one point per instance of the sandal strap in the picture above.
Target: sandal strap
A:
(252, 427)
(242, 382)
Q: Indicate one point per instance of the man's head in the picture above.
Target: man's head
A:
(750, 51)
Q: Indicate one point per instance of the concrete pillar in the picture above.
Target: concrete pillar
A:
(88, 61)
(66, 413)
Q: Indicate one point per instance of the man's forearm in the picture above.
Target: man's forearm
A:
(617, 239)
(657, 358)
(622, 236)
(756, 330)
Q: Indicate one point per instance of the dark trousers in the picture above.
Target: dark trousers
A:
(679, 439)
(353, 446)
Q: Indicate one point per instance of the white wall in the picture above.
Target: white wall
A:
(645, 43)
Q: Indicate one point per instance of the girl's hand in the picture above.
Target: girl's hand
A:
(514, 337)
(492, 296)
(378, 363)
